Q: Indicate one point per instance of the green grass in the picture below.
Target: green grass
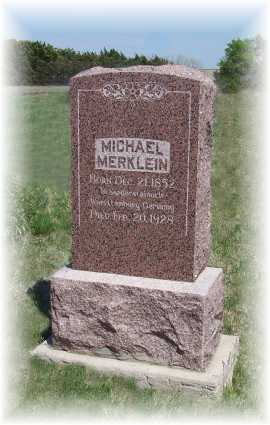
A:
(42, 146)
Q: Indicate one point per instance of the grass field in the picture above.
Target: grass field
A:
(40, 154)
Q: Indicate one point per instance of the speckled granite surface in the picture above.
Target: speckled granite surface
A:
(144, 220)
(176, 70)
(162, 322)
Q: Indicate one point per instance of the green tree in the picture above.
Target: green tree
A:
(35, 62)
(241, 65)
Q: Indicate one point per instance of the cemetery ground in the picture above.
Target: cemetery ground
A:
(39, 243)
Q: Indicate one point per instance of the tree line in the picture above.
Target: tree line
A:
(39, 63)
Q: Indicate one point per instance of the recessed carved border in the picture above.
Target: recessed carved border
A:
(188, 92)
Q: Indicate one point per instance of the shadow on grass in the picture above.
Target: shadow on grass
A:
(40, 294)
(46, 335)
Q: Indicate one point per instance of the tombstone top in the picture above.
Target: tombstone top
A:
(174, 70)
(141, 151)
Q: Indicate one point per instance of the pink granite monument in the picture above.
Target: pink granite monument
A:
(139, 286)
(141, 140)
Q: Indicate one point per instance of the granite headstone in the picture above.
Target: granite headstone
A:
(141, 139)
(139, 286)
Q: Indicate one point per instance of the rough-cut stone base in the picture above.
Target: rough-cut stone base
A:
(212, 382)
(126, 317)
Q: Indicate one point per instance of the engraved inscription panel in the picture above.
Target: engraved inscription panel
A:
(132, 154)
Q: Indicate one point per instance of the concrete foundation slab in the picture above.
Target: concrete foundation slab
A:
(212, 381)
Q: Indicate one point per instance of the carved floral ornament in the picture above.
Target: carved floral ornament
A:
(134, 91)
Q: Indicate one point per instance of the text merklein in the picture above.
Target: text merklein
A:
(132, 154)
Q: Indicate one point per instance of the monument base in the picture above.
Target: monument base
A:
(212, 381)
(133, 318)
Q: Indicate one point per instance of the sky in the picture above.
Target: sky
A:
(200, 31)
